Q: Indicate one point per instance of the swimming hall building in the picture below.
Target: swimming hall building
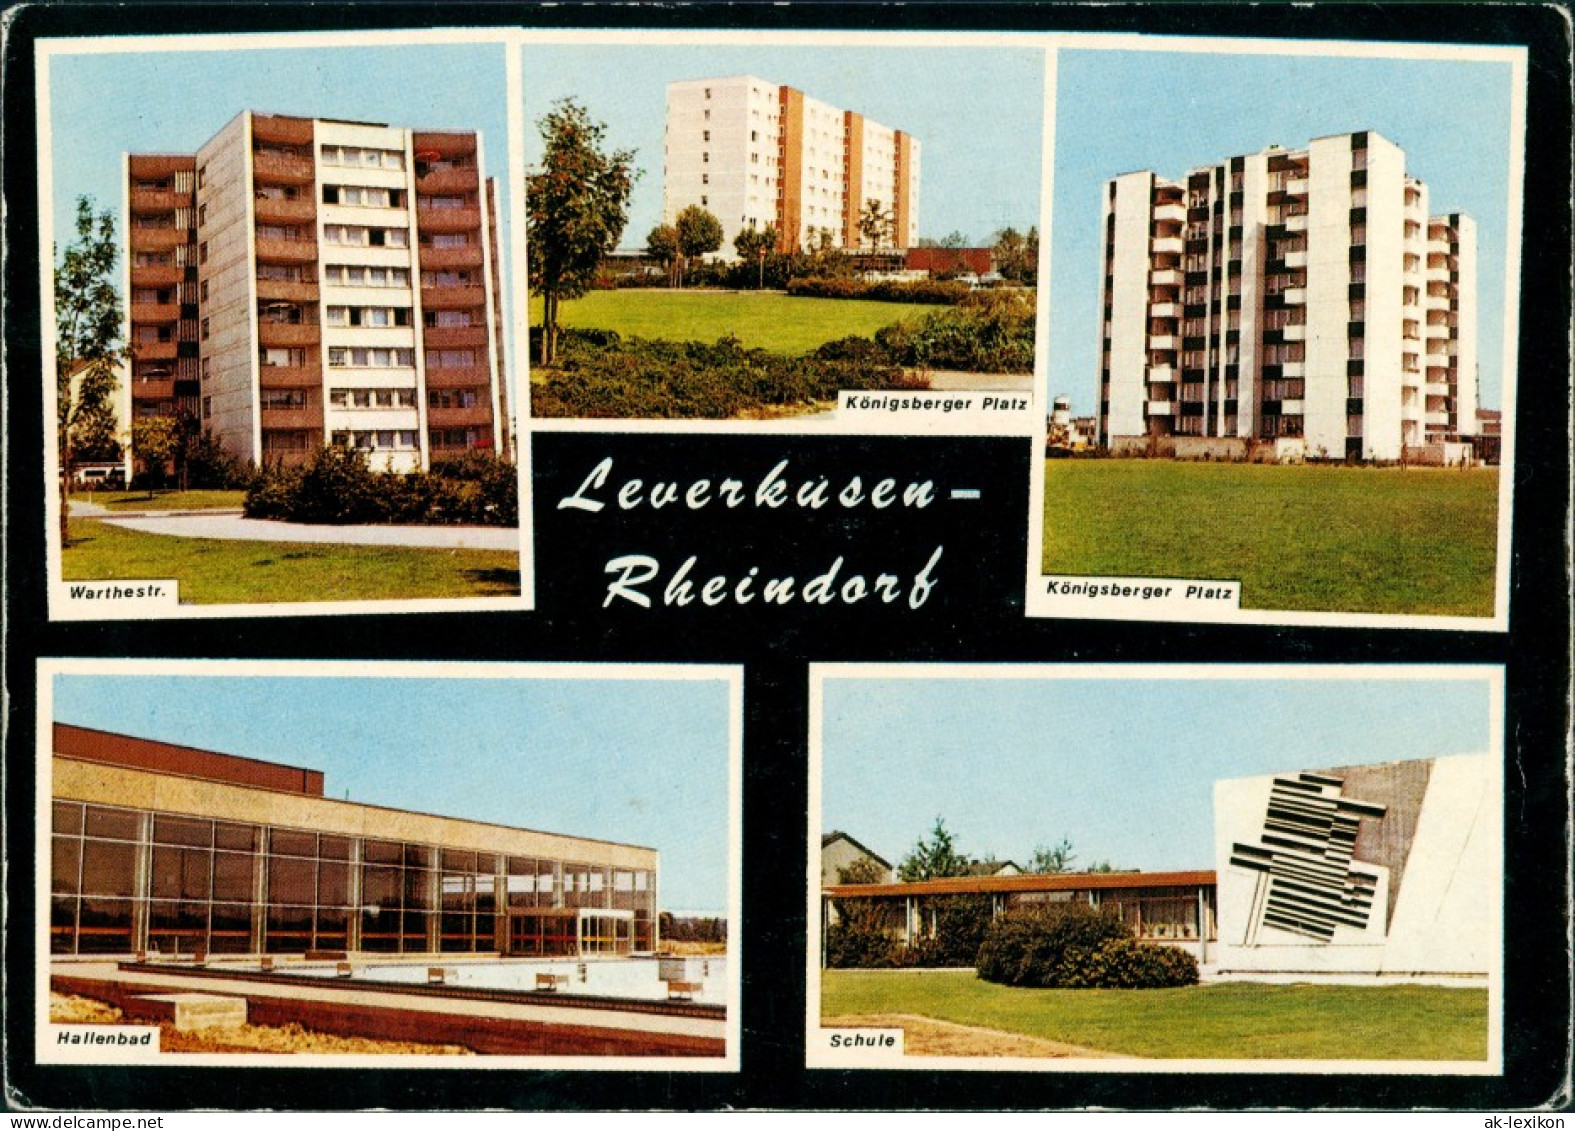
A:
(167, 850)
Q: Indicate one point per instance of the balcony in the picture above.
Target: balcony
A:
(286, 251)
(1296, 186)
(152, 388)
(477, 416)
(282, 130)
(459, 377)
(154, 350)
(453, 298)
(447, 219)
(1293, 369)
(1294, 296)
(1436, 418)
(1295, 260)
(1297, 223)
(155, 312)
(287, 334)
(309, 416)
(286, 290)
(1169, 245)
(454, 337)
(1165, 310)
(154, 202)
(1161, 408)
(1165, 277)
(451, 180)
(157, 275)
(308, 376)
(279, 169)
(1161, 375)
(157, 239)
(440, 143)
(1292, 408)
(441, 258)
(1164, 342)
(1296, 332)
(278, 209)
(1435, 388)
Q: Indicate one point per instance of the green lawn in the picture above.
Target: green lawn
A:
(215, 571)
(163, 500)
(760, 319)
(1235, 1021)
(1332, 538)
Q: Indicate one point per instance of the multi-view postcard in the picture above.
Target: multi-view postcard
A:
(418, 865)
(1218, 869)
(1282, 334)
(280, 321)
(796, 235)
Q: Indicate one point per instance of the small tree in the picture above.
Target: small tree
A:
(935, 858)
(699, 233)
(1052, 858)
(661, 244)
(576, 206)
(755, 244)
(1016, 255)
(88, 347)
(875, 224)
(157, 443)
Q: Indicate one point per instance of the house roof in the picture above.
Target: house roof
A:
(1056, 881)
(838, 834)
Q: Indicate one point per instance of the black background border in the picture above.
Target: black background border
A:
(777, 650)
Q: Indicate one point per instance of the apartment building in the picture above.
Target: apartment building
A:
(298, 282)
(157, 847)
(1304, 298)
(763, 156)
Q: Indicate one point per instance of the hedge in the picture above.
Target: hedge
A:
(932, 291)
(1074, 946)
(338, 486)
(988, 332)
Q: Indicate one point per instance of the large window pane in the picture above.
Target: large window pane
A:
(65, 865)
(291, 880)
(108, 867)
(114, 824)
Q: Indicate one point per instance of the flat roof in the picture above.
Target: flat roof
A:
(1053, 881)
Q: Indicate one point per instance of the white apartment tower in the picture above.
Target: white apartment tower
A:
(299, 282)
(1305, 296)
(763, 156)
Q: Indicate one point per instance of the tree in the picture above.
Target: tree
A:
(1016, 255)
(862, 871)
(1052, 858)
(88, 347)
(755, 244)
(699, 233)
(875, 224)
(954, 240)
(935, 858)
(661, 244)
(576, 206)
(156, 443)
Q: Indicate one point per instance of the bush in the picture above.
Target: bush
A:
(601, 376)
(852, 945)
(846, 286)
(1074, 946)
(337, 486)
(988, 332)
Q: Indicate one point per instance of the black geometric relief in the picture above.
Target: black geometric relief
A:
(1305, 852)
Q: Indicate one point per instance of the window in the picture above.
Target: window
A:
(202, 252)
(450, 359)
(204, 329)
(283, 398)
(356, 357)
(450, 239)
(292, 358)
(202, 291)
(202, 214)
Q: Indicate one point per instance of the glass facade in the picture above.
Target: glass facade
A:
(127, 880)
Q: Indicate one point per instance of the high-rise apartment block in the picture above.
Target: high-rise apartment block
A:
(299, 282)
(1303, 297)
(762, 156)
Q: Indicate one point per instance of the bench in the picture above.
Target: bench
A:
(683, 991)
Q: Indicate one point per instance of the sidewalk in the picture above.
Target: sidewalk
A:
(229, 525)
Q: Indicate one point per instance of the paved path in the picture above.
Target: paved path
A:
(231, 526)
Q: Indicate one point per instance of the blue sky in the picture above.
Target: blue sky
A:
(978, 114)
(637, 761)
(1124, 111)
(104, 105)
(1124, 768)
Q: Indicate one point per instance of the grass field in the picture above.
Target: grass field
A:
(214, 571)
(1236, 1021)
(766, 320)
(1332, 538)
(129, 501)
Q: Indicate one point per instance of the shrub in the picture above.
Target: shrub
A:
(857, 945)
(1074, 946)
(603, 376)
(932, 291)
(988, 332)
(337, 486)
